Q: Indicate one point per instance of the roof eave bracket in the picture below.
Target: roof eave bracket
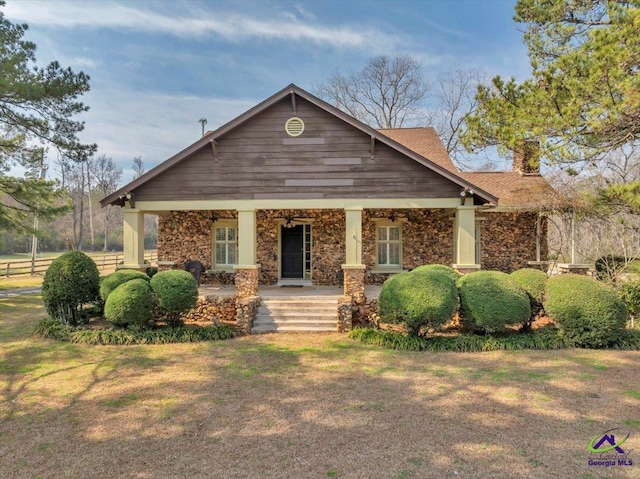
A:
(214, 149)
(294, 107)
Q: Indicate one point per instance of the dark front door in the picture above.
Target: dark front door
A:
(292, 251)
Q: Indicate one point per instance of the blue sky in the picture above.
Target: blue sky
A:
(156, 67)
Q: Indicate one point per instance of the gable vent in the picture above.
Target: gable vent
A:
(294, 126)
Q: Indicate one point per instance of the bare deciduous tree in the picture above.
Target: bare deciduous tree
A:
(138, 167)
(107, 176)
(454, 98)
(387, 93)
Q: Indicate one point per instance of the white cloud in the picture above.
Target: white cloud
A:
(196, 23)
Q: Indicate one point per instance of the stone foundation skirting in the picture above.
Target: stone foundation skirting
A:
(212, 308)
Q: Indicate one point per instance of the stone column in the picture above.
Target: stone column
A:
(133, 238)
(464, 231)
(246, 280)
(354, 282)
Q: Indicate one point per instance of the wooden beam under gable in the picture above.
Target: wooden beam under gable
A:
(214, 149)
(373, 148)
(294, 107)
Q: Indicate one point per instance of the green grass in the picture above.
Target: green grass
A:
(20, 282)
(298, 405)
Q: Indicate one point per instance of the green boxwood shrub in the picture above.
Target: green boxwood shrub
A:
(534, 282)
(416, 299)
(130, 303)
(176, 292)
(115, 279)
(491, 300)
(629, 292)
(69, 283)
(440, 268)
(587, 311)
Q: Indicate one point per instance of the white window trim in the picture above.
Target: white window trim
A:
(392, 268)
(231, 223)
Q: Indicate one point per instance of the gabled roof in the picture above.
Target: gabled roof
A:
(522, 192)
(435, 163)
(424, 141)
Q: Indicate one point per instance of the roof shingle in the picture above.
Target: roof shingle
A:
(527, 192)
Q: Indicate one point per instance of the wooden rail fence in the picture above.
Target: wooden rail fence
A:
(40, 266)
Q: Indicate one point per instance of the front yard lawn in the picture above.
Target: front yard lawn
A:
(304, 406)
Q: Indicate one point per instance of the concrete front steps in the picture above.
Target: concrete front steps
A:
(296, 313)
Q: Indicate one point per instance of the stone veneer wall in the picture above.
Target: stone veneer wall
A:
(186, 236)
(427, 238)
(508, 240)
(327, 250)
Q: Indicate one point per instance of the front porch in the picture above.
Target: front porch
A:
(342, 252)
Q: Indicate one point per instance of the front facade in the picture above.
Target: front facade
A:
(295, 191)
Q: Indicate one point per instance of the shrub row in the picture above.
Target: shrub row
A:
(588, 313)
(53, 329)
(129, 298)
(72, 286)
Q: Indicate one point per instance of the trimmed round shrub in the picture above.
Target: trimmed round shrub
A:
(440, 268)
(115, 279)
(70, 282)
(176, 292)
(534, 282)
(417, 299)
(587, 311)
(130, 304)
(491, 300)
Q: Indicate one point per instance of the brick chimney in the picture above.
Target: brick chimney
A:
(527, 160)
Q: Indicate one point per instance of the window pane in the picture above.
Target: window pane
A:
(394, 253)
(394, 233)
(382, 254)
(232, 253)
(220, 253)
(231, 234)
(382, 233)
(220, 234)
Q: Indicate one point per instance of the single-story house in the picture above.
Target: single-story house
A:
(296, 191)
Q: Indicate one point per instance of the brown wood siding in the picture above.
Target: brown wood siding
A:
(253, 161)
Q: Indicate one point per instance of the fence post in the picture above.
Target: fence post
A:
(8, 268)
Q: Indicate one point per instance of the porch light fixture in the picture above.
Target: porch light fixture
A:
(464, 194)
(289, 223)
(214, 216)
(392, 216)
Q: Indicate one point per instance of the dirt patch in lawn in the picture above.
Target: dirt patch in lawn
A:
(305, 406)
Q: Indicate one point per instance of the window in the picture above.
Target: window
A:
(389, 246)
(225, 241)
